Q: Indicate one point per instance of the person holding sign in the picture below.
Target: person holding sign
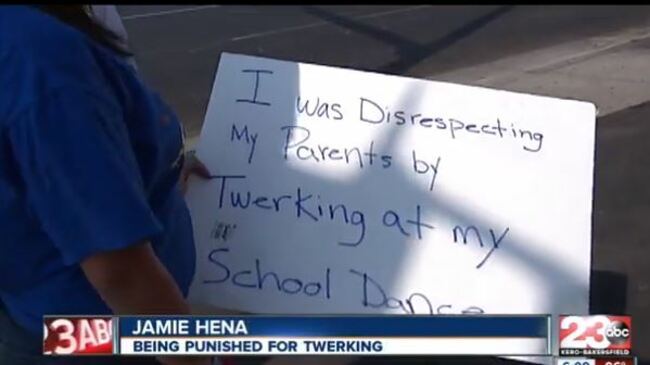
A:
(92, 215)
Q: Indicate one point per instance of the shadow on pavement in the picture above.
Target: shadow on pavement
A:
(410, 53)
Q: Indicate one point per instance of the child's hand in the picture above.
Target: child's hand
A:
(192, 166)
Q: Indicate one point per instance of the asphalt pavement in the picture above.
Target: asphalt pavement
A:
(177, 49)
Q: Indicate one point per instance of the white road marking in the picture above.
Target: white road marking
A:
(305, 26)
(169, 12)
(616, 42)
(553, 71)
(544, 59)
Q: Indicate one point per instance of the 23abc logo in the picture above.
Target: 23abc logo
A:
(595, 332)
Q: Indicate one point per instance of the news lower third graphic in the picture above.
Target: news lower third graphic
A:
(583, 340)
(298, 335)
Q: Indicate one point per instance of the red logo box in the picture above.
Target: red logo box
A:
(595, 335)
(616, 361)
(78, 335)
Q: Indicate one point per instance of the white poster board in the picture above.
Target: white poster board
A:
(369, 193)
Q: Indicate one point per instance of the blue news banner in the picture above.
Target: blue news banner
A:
(334, 335)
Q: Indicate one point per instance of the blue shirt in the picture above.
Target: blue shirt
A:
(89, 162)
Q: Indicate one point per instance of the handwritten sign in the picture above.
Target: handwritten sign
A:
(340, 191)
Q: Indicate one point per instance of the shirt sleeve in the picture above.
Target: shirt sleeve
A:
(80, 174)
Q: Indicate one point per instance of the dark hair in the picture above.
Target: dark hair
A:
(78, 16)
